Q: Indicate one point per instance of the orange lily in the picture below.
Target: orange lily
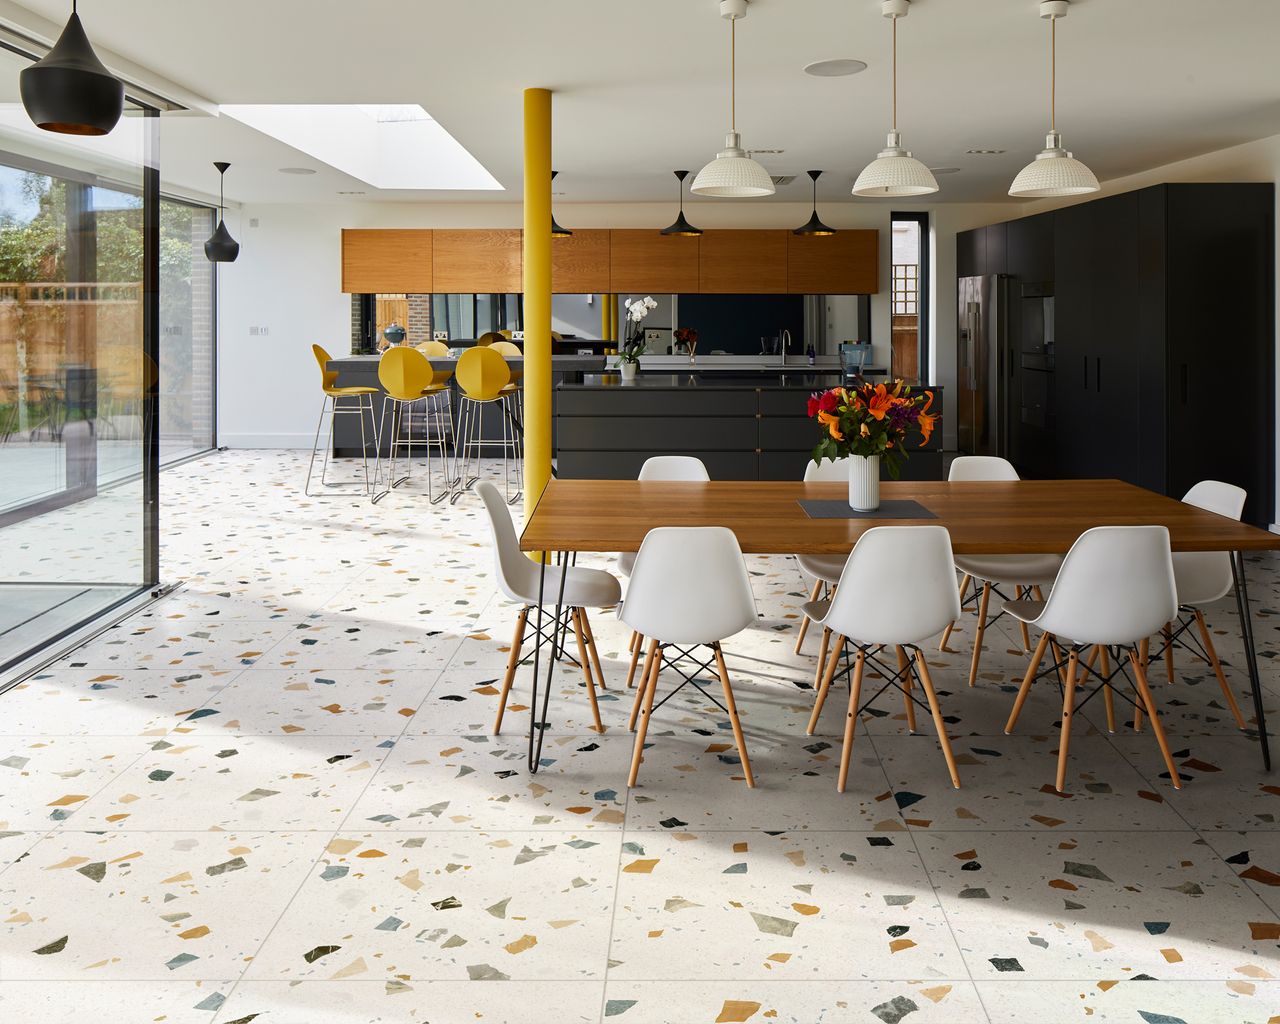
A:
(879, 402)
(832, 423)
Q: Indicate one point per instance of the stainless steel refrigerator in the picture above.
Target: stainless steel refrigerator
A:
(985, 365)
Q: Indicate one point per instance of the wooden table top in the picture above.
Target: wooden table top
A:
(984, 518)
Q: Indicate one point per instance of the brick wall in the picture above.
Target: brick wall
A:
(419, 326)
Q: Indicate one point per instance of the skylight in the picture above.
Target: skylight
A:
(389, 145)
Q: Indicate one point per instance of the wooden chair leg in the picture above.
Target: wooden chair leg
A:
(1068, 711)
(649, 669)
(946, 633)
(1167, 633)
(513, 659)
(576, 615)
(823, 647)
(1217, 668)
(804, 626)
(979, 634)
(1108, 698)
(637, 648)
(647, 688)
(591, 648)
(1023, 593)
(1144, 691)
(1059, 661)
(1032, 668)
(635, 643)
(926, 681)
(732, 707)
(1144, 655)
(906, 688)
(833, 663)
(851, 720)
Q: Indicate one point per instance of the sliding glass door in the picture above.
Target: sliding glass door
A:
(79, 371)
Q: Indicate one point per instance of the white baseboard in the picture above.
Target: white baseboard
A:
(265, 440)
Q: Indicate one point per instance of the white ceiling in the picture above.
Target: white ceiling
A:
(641, 88)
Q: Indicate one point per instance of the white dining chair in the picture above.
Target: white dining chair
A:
(689, 589)
(1023, 575)
(669, 468)
(1116, 588)
(824, 570)
(897, 590)
(518, 579)
(1203, 577)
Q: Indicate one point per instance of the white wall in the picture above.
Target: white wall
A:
(288, 280)
(1253, 161)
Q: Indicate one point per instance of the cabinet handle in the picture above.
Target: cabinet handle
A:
(1097, 374)
(1184, 383)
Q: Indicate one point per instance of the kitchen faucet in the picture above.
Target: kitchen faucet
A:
(786, 345)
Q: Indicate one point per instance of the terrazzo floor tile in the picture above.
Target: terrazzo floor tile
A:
(14, 844)
(1008, 782)
(456, 905)
(323, 645)
(1223, 786)
(120, 1002)
(347, 702)
(792, 906)
(952, 1001)
(478, 781)
(193, 646)
(150, 906)
(47, 781)
(1255, 858)
(1241, 1000)
(80, 702)
(1098, 905)
(418, 1001)
(274, 782)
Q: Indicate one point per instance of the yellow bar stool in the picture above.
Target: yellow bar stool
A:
(510, 350)
(362, 398)
(408, 378)
(484, 379)
(433, 349)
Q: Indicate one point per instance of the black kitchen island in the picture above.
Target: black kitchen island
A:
(744, 425)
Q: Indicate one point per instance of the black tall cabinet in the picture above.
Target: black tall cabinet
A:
(1160, 368)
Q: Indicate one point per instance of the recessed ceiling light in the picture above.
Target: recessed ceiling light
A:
(945, 170)
(297, 170)
(984, 152)
(838, 67)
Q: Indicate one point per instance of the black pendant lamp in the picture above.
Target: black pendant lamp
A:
(221, 247)
(681, 226)
(556, 230)
(814, 225)
(70, 91)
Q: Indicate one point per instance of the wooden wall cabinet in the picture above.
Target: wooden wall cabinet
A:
(387, 260)
(646, 261)
(846, 263)
(580, 263)
(743, 263)
(477, 260)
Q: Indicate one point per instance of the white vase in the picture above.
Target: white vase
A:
(864, 482)
(628, 370)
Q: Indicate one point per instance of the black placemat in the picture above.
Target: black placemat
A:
(898, 508)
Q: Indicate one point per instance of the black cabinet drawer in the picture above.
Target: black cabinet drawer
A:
(685, 402)
(658, 434)
(790, 433)
(625, 465)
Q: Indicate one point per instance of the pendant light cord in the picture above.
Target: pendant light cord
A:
(1053, 73)
(895, 72)
(733, 74)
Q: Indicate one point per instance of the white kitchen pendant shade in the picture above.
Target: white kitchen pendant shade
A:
(733, 174)
(1054, 171)
(895, 173)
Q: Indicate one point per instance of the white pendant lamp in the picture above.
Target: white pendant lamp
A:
(895, 172)
(1054, 171)
(733, 174)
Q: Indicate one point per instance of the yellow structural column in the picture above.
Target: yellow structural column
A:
(537, 295)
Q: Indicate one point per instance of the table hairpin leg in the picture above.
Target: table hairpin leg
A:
(1250, 653)
(538, 719)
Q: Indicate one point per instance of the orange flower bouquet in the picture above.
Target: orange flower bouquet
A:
(871, 420)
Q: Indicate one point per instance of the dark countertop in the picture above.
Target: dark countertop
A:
(735, 380)
(560, 362)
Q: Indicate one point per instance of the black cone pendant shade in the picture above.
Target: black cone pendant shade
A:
(221, 247)
(681, 226)
(814, 226)
(70, 91)
(556, 230)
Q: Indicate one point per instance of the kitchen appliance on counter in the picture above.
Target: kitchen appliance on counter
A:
(985, 369)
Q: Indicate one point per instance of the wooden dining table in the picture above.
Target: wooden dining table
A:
(768, 517)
